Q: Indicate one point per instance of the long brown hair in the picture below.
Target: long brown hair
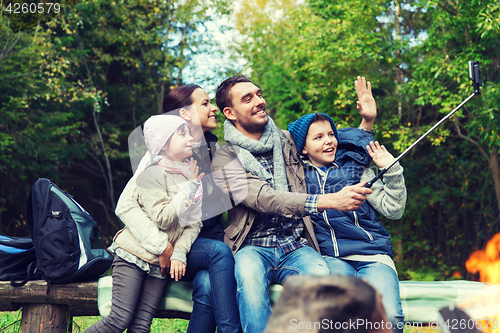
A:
(179, 97)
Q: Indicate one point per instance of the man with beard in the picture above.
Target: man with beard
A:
(270, 231)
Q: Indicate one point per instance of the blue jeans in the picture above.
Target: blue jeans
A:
(210, 265)
(258, 267)
(381, 277)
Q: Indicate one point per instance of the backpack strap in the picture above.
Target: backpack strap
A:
(31, 274)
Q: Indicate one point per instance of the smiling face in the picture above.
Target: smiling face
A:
(248, 111)
(205, 111)
(180, 145)
(321, 144)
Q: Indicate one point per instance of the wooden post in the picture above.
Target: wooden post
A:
(46, 318)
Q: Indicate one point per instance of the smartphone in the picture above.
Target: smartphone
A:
(475, 74)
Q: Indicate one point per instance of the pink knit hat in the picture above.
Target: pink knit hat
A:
(158, 129)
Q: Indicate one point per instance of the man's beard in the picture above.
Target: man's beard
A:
(252, 127)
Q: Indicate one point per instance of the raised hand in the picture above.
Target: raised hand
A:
(195, 169)
(366, 105)
(380, 155)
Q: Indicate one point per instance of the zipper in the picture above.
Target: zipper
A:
(325, 217)
(356, 222)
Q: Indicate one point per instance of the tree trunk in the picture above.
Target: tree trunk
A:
(495, 172)
(398, 80)
(45, 318)
(492, 159)
(108, 177)
(159, 96)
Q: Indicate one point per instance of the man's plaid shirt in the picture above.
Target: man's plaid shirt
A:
(270, 230)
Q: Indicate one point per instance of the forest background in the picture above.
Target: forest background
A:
(74, 84)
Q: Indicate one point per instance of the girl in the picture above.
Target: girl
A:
(168, 191)
(210, 261)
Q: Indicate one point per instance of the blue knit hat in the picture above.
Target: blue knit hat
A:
(299, 128)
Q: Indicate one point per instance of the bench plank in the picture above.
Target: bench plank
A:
(81, 298)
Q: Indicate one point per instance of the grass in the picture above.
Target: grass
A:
(10, 322)
(80, 324)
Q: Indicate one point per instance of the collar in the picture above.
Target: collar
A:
(307, 163)
(210, 137)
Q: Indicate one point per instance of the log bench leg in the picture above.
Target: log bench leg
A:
(46, 318)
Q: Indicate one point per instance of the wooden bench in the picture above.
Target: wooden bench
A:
(53, 313)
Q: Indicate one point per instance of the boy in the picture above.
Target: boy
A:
(355, 242)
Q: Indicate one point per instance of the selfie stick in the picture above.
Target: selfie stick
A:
(475, 76)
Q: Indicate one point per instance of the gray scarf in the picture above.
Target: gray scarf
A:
(269, 140)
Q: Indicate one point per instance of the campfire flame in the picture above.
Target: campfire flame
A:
(487, 263)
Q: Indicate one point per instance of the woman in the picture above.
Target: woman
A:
(210, 263)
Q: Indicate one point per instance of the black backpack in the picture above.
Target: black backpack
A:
(67, 242)
(16, 255)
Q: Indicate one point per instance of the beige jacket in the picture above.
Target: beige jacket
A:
(249, 194)
(163, 198)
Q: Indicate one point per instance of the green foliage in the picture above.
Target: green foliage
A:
(37, 134)
(74, 86)
(458, 34)
(27, 14)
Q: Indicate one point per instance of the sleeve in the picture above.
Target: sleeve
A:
(311, 205)
(153, 194)
(191, 189)
(245, 188)
(189, 234)
(387, 197)
(140, 225)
